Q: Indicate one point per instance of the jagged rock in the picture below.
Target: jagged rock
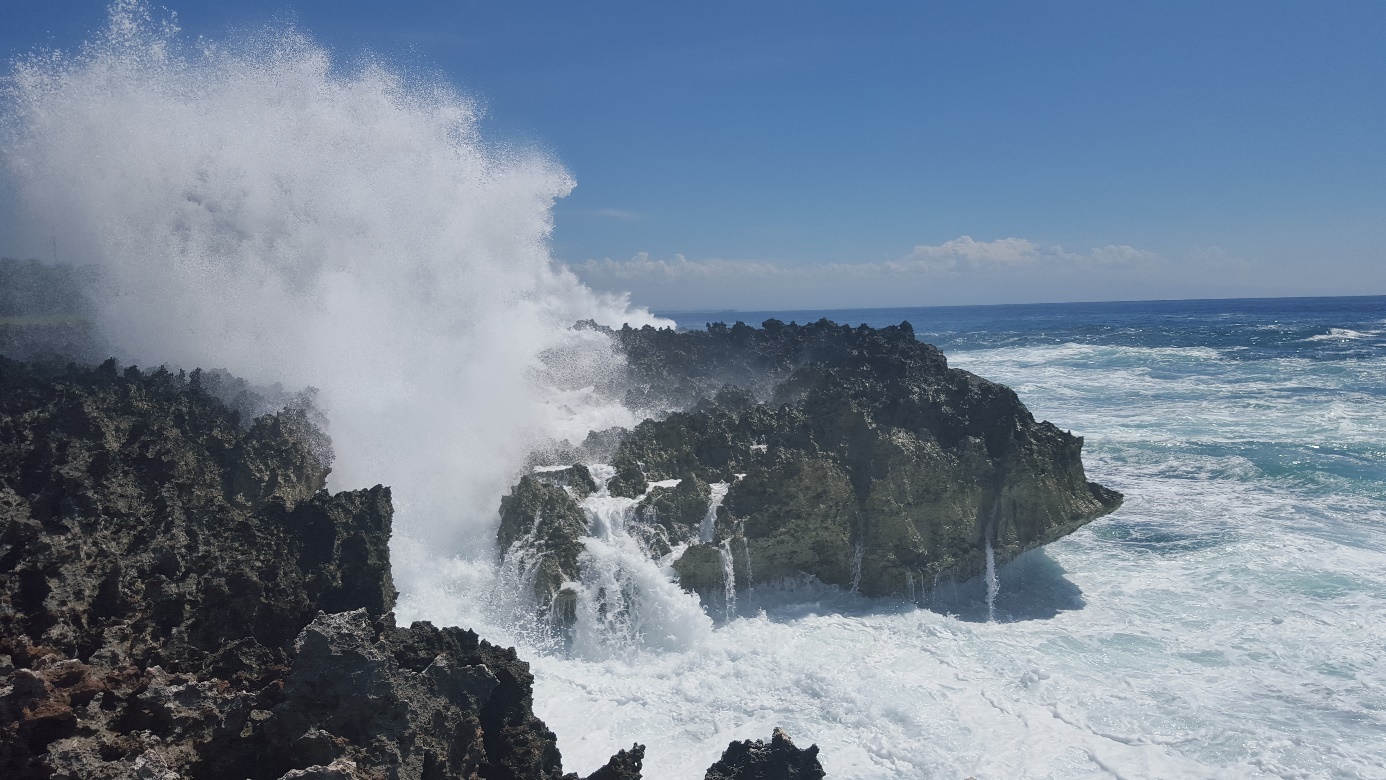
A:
(341, 769)
(666, 516)
(700, 568)
(779, 760)
(179, 598)
(143, 522)
(629, 481)
(360, 692)
(541, 529)
(625, 765)
(855, 455)
(577, 479)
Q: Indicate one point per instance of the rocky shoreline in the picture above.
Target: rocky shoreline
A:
(852, 455)
(181, 598)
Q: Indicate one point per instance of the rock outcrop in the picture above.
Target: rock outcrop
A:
(542, 528)
(755, 760)
(180, 598)
(855, 455)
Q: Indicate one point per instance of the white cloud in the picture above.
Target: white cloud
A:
(615, 214)
(644, 267)
(963, 270)
(962, 255)
(965, 252)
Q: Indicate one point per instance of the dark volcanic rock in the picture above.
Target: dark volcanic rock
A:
(625, 765)
(666, 516)
(179, 598)
(542, 528)
(416, 702)
(779, 760)
(855, 455)
(145, 525)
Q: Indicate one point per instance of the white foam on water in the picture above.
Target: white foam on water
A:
(258, 206)
(1229, 623)
(1343, 334)
(1252, 650)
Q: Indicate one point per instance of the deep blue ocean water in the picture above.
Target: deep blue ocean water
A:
(1229, 621)
(1250, 328)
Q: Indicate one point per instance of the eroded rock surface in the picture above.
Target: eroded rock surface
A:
(855, 455)
(541, 529)
(779, 760)
(180, 598)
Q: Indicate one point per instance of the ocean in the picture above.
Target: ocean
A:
(1229, 621)
(262, 206)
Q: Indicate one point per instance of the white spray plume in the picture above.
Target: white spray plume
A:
(254, 207)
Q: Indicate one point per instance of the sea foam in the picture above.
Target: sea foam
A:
(256, 205)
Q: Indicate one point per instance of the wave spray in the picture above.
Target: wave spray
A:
(260, 207)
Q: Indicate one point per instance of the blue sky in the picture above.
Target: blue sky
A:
(805, 154)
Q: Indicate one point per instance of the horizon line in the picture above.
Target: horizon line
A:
(663, 311)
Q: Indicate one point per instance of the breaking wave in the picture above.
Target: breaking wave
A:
(258, 206)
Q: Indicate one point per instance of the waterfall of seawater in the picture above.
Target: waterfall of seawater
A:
(728, 578)
(856, 568)
(709, 526)
(626, 601)
(746, 553)
(993, 584)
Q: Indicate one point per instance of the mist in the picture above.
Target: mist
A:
(260, 206)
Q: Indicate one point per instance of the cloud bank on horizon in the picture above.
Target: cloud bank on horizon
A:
(961, 271)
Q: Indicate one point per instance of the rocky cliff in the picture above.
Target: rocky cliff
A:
(855, 455)
(180, 598)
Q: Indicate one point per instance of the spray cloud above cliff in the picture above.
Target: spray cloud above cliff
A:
(256, 205)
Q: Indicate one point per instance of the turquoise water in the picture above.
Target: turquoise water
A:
(1229, 621)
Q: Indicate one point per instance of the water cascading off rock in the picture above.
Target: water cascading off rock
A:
(854, 455)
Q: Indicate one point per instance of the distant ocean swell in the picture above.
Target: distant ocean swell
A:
(1227, 622)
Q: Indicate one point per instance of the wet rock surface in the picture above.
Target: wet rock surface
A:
(180, 598)
(779, 760)
(854, 455)
(541, 529)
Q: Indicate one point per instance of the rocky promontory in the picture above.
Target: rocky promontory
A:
(853, 455)
(181, 598)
